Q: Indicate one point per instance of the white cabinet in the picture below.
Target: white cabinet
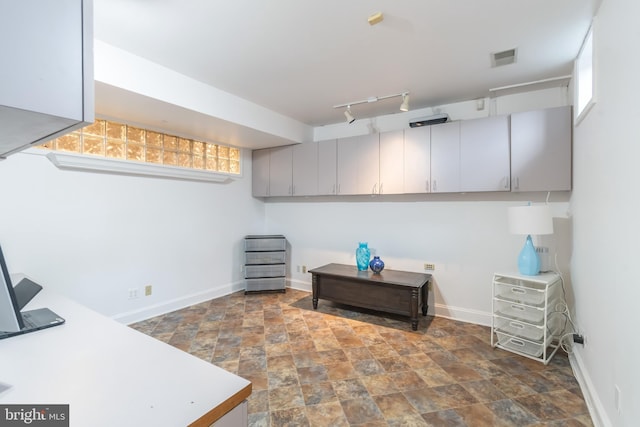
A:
(541, 150)
(445, 158)
(526, 319)
(327, 167)
(358, 163)
(484, 154)
(391, 163)
(417, 159)
(47, 71)
(305, 169)
(260, 173)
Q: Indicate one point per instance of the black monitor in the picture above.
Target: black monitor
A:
(13, 321)
(10, 318)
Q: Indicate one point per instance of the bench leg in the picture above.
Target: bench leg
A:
(414, 309)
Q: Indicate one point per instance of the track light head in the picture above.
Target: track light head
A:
(405, 102)
(347, 114)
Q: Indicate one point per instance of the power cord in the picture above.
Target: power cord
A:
(567, 337)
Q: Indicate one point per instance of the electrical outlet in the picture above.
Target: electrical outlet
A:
(148, 290)
(429, 266)
(304, 268)
(133, 293)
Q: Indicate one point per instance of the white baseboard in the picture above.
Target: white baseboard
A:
(299, 285)
(176, 304)
(591, 398)
(462, 314)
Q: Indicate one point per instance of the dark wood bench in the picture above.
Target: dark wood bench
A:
(391, 291)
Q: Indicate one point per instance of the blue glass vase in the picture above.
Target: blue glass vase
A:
(376, 265)
(529, 261)
(362, 256)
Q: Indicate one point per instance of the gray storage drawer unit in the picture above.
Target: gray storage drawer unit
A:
(265, 263)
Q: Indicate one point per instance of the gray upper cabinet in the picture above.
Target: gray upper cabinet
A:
(47, 71)
(417, 160)
(391, 163)
(305, 169)
(260, 172)
(358, 170)
(541, 150)
(445, 158)
(484, 154)
(327, 167)
(528, 151)
(281, 171)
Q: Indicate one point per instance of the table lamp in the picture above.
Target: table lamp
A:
(530, 220)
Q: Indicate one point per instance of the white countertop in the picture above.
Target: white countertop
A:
(110, 374)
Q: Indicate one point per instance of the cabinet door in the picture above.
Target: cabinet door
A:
(417, 159)
(369, 164)
(445, 158)
(46, 72)
(305, 169)
(541, 150)
(391, 162)
(327, 167)
(260, 173)
(484, 154)
(347, 171)
(280, 171)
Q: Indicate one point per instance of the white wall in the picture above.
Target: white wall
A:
(606, 207)
(465, 236)
(94, 236)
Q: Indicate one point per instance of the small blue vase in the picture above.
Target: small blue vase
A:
(376, 265)
(362, 256)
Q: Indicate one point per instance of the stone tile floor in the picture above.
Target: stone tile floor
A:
(341, 366)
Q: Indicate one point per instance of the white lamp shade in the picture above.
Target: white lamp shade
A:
(530, 220)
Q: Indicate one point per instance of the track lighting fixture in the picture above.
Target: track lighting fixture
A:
(347, 114)
(350, 119)
(405, 102)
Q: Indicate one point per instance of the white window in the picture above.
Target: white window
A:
(584, 78)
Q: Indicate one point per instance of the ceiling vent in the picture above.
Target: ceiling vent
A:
(505, 57)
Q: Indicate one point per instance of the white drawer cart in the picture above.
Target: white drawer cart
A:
(527, 314)
(265, 263)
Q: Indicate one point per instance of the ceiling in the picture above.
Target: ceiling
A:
(300, 58)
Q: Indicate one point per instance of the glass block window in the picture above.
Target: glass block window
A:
(123, 142)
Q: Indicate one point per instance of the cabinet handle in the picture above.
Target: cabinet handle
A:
(293, 190)
(506, 182)
(373, 190)
(516, 342)
(435, 185)
(517, 183)
(333, 189)
(338, 192)
(517, 307)
(380, 192)
(518, 291)
(516, 325)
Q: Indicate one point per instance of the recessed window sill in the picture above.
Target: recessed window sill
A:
(88, 163)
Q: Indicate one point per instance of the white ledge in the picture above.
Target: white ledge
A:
(122, 167)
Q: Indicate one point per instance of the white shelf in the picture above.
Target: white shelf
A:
(522, 322)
